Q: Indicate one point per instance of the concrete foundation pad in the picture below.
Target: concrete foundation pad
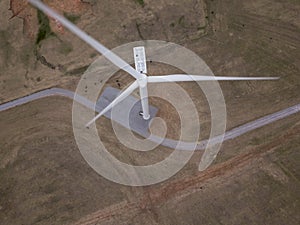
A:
(127, 112)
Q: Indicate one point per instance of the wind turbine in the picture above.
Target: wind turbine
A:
(140, 71)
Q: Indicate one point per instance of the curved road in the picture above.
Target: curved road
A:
(238, 131)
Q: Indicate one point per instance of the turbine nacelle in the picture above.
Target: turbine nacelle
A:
(143, 81)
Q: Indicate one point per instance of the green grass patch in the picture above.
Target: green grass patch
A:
(181, 21)
(140, 2)
(78, 71)
(72, 17)
(44, 27)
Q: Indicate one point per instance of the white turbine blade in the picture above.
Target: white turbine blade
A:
(140, 59)
(88, 39)
(117, 100)
(185, 77)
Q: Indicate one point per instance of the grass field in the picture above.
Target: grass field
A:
(255, 178)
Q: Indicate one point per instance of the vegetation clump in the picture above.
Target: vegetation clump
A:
(44, 27)
(72, 17)
(141, 2)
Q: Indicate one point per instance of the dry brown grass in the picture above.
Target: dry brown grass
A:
(44, 179)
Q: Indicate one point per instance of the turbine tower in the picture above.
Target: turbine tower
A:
(140, 70)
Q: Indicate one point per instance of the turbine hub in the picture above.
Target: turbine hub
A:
(143, 81)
